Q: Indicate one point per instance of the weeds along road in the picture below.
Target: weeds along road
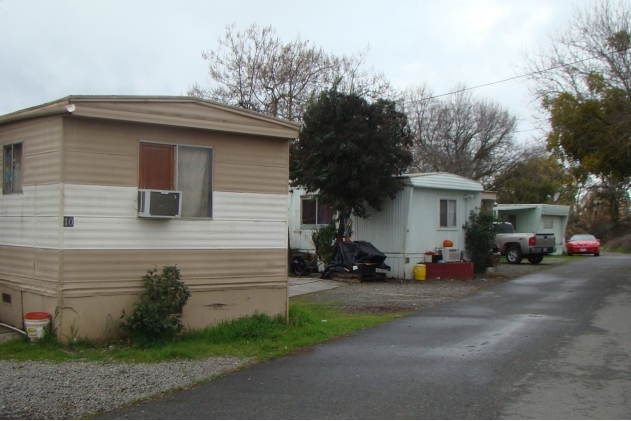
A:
(553, 344)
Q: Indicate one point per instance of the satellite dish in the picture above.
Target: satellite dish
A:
(556, 197)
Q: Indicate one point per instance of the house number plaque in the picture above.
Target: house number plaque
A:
(68, 221)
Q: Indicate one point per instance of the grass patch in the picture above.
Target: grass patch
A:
(257, 336)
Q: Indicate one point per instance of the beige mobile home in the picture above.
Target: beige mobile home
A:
(99, 189)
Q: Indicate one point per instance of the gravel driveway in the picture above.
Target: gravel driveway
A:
(37, 390)
(395, 295)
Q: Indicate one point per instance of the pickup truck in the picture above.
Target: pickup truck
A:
(515, 246)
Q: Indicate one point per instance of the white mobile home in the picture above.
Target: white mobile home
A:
(431, 207)
(535, 218)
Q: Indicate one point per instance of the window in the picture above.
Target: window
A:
(12, 168)
(187, 169)
(447, 213)
(548, 222)
(315, 213)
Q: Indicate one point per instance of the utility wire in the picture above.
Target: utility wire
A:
(503, 80)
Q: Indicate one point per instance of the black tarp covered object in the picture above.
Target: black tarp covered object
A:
(355, 254)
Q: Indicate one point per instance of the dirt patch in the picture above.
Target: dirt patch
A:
(394, 295)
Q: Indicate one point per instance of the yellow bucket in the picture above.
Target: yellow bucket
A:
(419, 272)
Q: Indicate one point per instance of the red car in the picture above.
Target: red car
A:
(583, 244)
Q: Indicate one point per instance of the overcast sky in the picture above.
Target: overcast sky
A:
(52, 49)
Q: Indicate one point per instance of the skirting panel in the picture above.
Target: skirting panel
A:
(94, 317)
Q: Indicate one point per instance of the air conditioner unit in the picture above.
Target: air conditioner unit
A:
(451, 254)
(159, 203)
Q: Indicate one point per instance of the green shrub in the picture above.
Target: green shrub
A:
(159, 310)
(479, 239)
(323, 241)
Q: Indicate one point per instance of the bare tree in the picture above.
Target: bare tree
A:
(256, 70)
(460, 134)
(594, 42)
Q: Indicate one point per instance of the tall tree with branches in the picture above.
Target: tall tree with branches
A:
(582, 80)
(256, 70)
(460, 134)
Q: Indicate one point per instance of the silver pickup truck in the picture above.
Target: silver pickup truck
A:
(515, 246)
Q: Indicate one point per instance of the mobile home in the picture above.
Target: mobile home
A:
(99, 189)
(430, 208)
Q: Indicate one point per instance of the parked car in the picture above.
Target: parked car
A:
(583, 244)
(517, 245)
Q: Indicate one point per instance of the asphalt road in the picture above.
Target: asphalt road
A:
(554, 344)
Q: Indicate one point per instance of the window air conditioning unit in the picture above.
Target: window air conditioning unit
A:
(159, 203)
(451, 254)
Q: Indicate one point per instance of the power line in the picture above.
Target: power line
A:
(503, 80)
(526, 130)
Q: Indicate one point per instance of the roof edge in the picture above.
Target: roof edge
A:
(60, 106)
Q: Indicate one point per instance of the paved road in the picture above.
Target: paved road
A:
(554, 344)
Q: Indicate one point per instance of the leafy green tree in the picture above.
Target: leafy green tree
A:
(536, 180)
(583, 82)
(593, 134)
(350, 151)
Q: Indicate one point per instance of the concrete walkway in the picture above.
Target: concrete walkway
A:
(306, 285)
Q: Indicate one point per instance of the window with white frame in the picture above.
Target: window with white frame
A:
(12, 168)
(188, 169)
(548, 222)
(447, 213)
(313, 212)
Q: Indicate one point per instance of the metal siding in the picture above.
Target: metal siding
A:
(102, 152)
(105, 218)
(386, 229)
(127, 233)
(194, 111)
(47, 200)
(83, 201)
(103, 169)
(28, 268)
(12, 205)
(31, 219)
(180, 113)
(44, 168)
(250, 206)
(30, 230)
(250, 178)
(558, 210)
(425, 232)
(42, 148)
(106, 272)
